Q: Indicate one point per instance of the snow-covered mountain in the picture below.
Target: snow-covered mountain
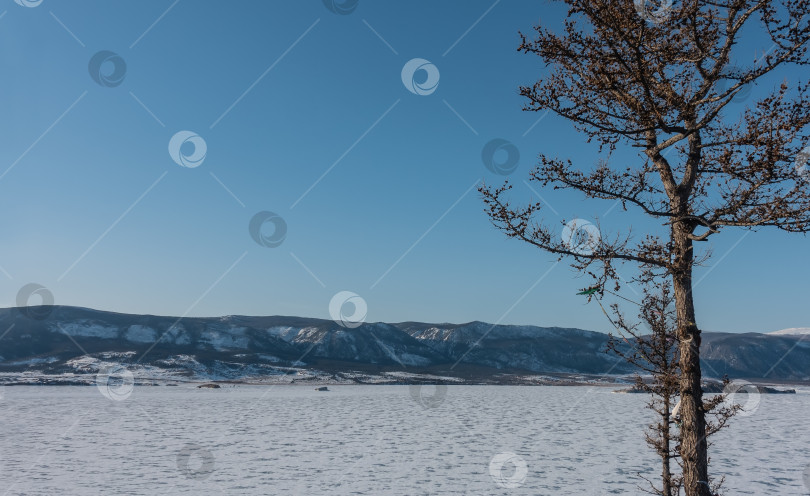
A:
(69, 340)
(793, 331)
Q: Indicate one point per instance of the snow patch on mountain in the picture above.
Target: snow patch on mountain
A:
(423, 377)
(180, 361)
(286, 333)
(403, 358)
(233, 338)
(31, 361)
(117, 354)
(793, 331)
(414, 360)
(86, 329)
(308, 335)
(435, 334)
(141, 334)
(176, 334)
(185, 364)
(475, 331)
(88, 364)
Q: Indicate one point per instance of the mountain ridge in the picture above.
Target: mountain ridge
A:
(63, 341)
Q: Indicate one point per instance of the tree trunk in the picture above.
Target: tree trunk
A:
(666, 474)
(694, 452)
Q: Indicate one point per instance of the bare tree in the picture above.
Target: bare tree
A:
(664, 82)
(650, 345)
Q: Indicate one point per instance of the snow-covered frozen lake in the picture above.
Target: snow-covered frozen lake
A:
(368, 440)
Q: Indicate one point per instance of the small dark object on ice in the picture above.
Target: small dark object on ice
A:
(322, 388)
(209, 386)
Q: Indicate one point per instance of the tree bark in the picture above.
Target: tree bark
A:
(666, 474)
(694, 448)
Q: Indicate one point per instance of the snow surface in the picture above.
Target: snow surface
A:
(255, 440)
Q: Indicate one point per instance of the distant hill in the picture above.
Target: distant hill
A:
(69, 341)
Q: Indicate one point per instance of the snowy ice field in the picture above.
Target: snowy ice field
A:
(493, 440)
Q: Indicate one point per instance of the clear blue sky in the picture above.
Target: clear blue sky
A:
(93, 207)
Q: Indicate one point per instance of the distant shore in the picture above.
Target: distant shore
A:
(623, 383)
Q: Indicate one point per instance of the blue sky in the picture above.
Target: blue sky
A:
(93, 206)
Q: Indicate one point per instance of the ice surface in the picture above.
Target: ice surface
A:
(378, 440)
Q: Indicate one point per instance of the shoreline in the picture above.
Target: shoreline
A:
(623, 383)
